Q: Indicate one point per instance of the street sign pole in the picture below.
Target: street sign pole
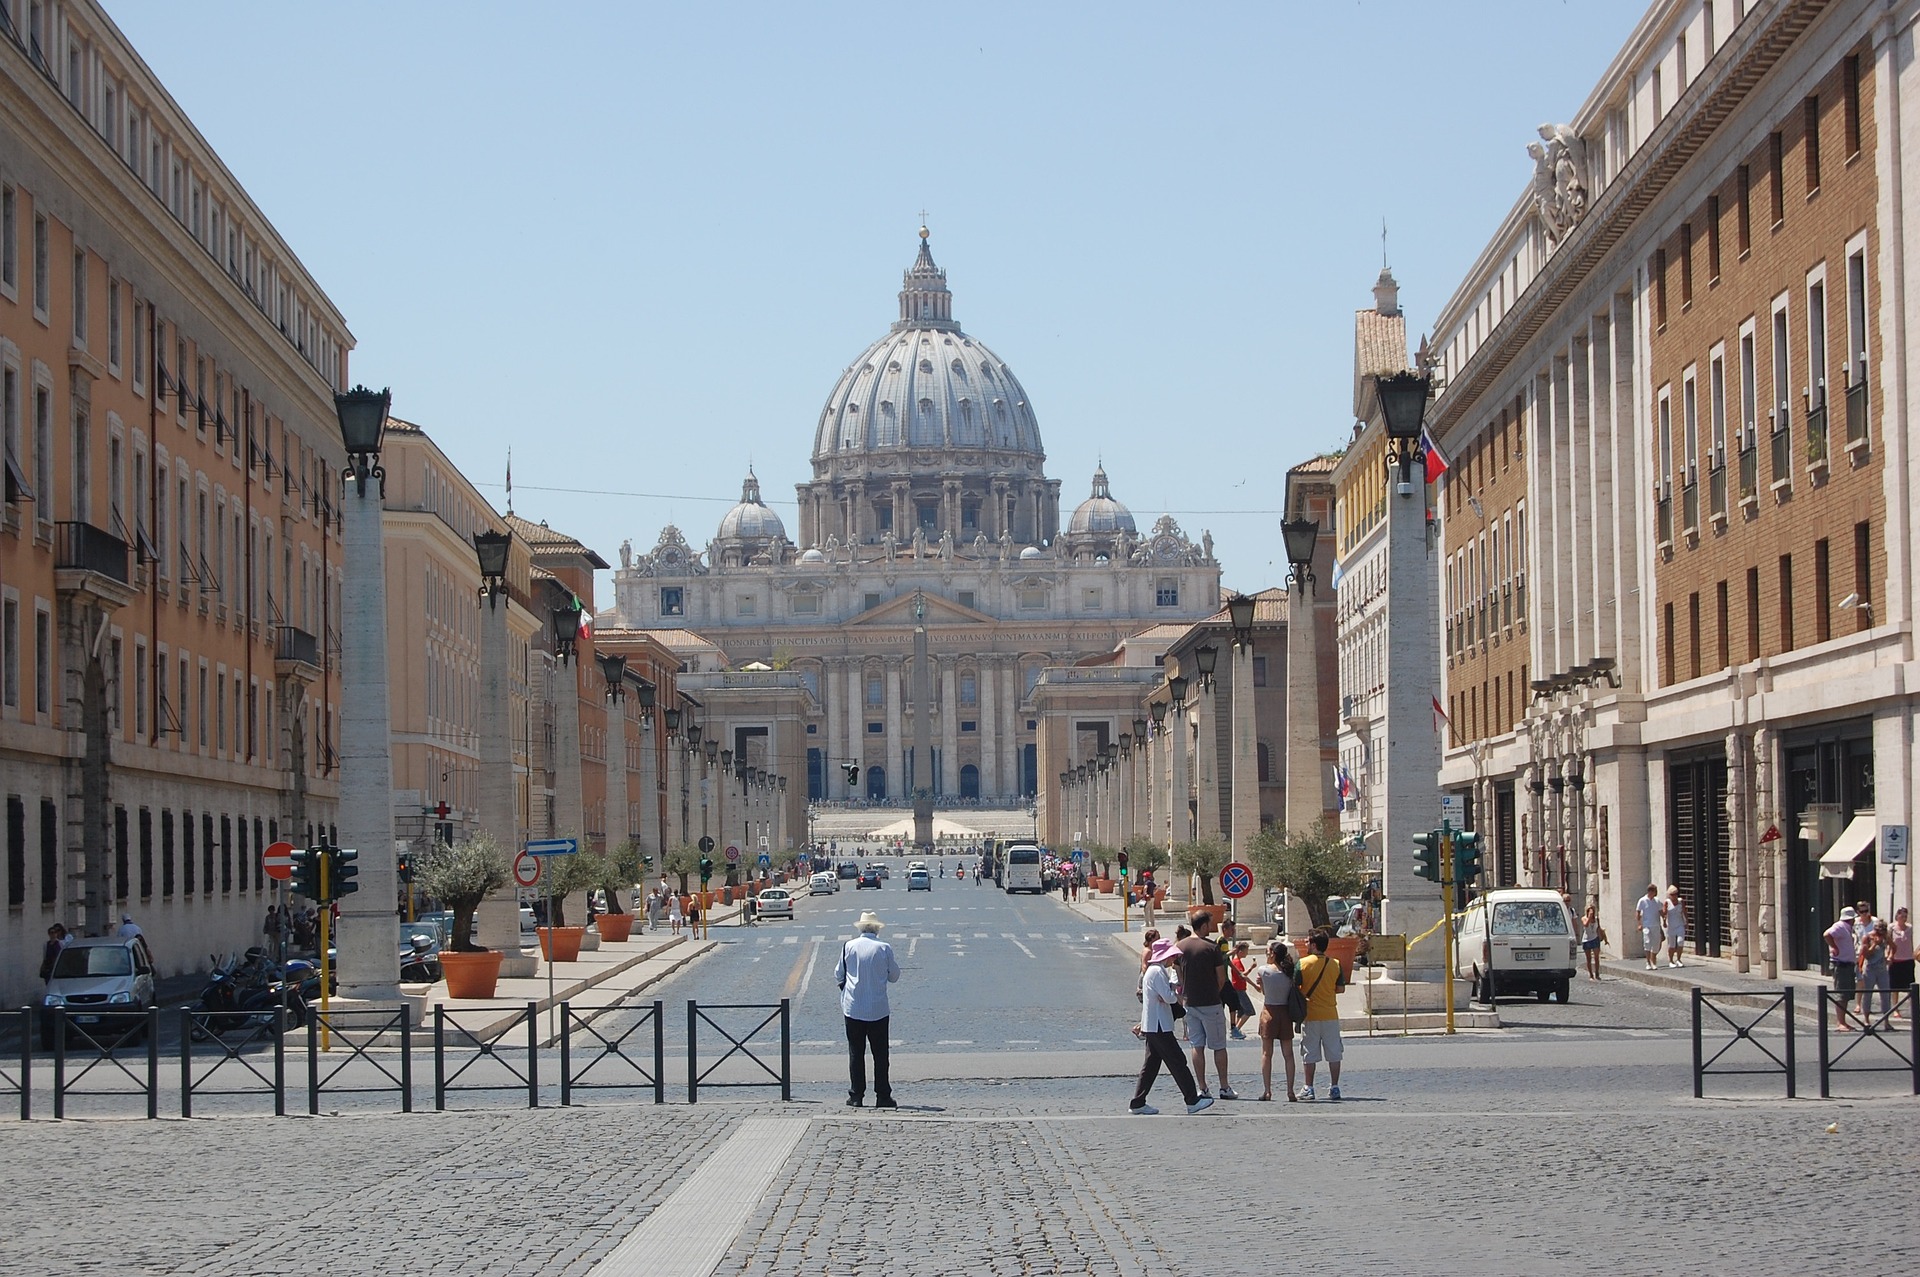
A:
(1446, 908)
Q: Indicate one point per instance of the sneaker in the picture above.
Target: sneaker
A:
(1306, 1092)
(1204, 1102)
(1144, 1110)
(1334, 1094)
(853, 1101)
(888, 1103)
(1205, 1095)
(1228, 1093)
(1237, 1035)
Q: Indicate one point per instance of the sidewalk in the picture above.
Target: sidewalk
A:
(1717, 976)
(1425, 1005)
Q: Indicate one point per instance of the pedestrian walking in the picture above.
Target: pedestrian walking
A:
(1592, 936)
(130, 930)
(56, 941)
(1649, 908)
(1840, 956)
(654, 907)
(1242, 1009)
(1674, 917)
(1275, 981)
(1155, 1030)
(693, 913)
(1900, 952)
(675, 915)
(865, 969)
(1321, 978)
(1203, 987)
(1873, 973)
(271, 929)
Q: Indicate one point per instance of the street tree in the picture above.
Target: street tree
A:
(461, 877)
(1204, 859)
(1312, 863)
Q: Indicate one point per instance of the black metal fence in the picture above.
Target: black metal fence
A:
(110, 1064)
(622, 1070)
(236, 1036)
(354, 1034)
(739, 1045)
(1882, 1045)
(1741, 1029)
(19, 1082)
(485, 1057)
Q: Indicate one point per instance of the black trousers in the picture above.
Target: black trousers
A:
(862, 1036)
(1164, 1048)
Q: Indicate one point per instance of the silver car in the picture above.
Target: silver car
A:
(106, 985)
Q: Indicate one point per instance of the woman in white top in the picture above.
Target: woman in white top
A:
(1155, 1029)
(674, 915)
(1274, 979)
(1676, 916)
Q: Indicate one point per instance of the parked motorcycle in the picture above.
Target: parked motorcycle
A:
(420, 962)
(245, 992)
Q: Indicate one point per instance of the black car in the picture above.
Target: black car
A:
(849, 869)
(869, 877)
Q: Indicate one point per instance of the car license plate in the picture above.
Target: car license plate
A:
(86, 1019)
(1529, 955)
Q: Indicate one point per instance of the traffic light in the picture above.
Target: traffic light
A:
(403, 864)
(344, 871)
(1123, 866)
(1426, 856)
(646, 858)
(706, 869)
(306, 873)
(853, 772)
(1466, 856)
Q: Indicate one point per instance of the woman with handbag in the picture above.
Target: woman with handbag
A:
(1278, 993)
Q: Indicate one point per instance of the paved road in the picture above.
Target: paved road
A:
(1566, 1142)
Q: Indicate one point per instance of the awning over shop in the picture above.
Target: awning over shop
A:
(1854, 839)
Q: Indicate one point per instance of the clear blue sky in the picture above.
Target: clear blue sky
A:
(638, 243)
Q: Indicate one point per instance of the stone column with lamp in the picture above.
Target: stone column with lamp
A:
(1306, 802)
(1244, 728)
(563, 689)
(498, 918)
(618, 826)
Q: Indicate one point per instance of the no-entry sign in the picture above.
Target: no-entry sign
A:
(526, 869)
(278, 861)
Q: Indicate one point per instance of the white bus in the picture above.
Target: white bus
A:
(1022, 871)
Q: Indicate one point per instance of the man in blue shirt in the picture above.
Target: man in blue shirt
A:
(865, 969)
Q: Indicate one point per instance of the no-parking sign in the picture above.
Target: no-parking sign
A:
(1236, 879)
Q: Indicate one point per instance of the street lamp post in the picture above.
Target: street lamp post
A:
(1244, 730)
(1306, 775)
(368, 967)
(498, 917)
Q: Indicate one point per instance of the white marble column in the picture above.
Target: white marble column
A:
(831, 713)
(896, 772)
(619, 828)
(1009, 741)
(1305, 774)
(369, 965)
(855, 744)
(1244, 732)
(949, 729)
(569, 817)
(498, 918)
(991, 728)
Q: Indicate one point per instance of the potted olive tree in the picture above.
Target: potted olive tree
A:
(564, 876)
(461, 876)
(619, 870)
(1203, 859)
(1313, 864)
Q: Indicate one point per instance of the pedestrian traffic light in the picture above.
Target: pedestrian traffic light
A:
(306, 873)
(1123, 866)
(853, 772)
(1466, 856)
(706, 868)
(345, 871)
(1426, 856)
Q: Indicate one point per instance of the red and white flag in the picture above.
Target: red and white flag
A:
(1437, 463)
(1440, 715)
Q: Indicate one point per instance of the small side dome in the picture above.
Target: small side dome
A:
(813, 556)
(1100, 514)
(1033, 552)
(752, 519)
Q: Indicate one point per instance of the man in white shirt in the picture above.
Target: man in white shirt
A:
(865, 969)
(1650, 910)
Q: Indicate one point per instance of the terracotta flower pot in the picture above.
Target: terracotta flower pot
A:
(471, 975)
(614, 927)
(561, 944)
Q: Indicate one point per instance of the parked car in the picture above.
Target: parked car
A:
(106, 985)
(822, 885)
(1517, 939)
(919, 879)
(774, 902)
(870, 877)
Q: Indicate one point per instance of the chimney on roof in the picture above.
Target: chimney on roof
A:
(1386, 293)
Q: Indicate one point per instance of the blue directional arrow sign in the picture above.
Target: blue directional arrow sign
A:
(553, 847)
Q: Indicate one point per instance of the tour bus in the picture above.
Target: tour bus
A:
(1021, 872)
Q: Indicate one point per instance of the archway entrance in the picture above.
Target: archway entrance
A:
(969, 781)
(876, 782)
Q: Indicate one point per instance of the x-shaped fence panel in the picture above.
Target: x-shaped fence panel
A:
(739, 1045)
(234, 1044)
(622, 1071)
(484, 1056)
(1742, 1031)
(357, 1032)
(1893, 1050)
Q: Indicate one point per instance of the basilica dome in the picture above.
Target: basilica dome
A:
(1100, 514)
(752, 519)
(926, 384)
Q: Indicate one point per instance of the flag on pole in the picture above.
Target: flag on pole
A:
(1344, 783)
(1437, 463)
(1440, 715)
(1339, 573)
(585, 632)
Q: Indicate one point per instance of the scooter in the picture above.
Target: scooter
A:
(245, 994)
(419, 963)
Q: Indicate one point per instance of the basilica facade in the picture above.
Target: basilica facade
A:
(929, 506)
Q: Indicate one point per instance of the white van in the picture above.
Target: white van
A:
(1022, 872)
(1517, 939)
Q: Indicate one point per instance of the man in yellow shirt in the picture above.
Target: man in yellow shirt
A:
(1320, 980)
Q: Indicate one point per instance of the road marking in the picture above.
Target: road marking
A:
(1092, 1041)
(789, 939)
(1022, 948)
(912, 944)
(688, 1234)
(802, 967)
(954, 1042)
(1023, 1041)
(981, 935)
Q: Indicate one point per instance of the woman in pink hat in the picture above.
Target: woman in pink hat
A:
(1158, 1010)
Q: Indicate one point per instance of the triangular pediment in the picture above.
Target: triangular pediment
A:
(899, 611)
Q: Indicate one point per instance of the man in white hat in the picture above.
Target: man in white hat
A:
(865, 969)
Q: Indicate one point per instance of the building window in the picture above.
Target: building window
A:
(1850, 100)
(876, 690)
(1812, 144)
(1744, 214)
(49, 852)
(1263, 763)
(1713, 238)
(876, 729)
(80, 299)
(9, 241)
(10, 653)
(1753, 614)
(1259, 671)
(966, 598)
(16, 852)
(1776, 179)
(967, 725)
(1660, 288)
(1031, 599)
(806, 605)
(869, 602)
(672, 601)
(745, 605)
(1090, 599)
(41, 284)
(1786, 602)
(42, 663)
(1166, 593)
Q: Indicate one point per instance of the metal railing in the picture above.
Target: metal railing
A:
(1782, 444)
(1857, 412)
(297, 645)
(358, 1031)
(623, 1071)
(217, 1026)
(1749, 472)
(20, 1083)
(485, 1054)
(1690, 506)
(1817, 436)
(67, 1032)
(1879, 1030)
(1776, 1064)
(82, 547)
(696, 1076)
(1663, 520)
(1717, 492)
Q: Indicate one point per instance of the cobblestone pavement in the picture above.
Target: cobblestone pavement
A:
(1567, 1141)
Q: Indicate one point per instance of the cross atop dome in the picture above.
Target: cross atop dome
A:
(924, 299)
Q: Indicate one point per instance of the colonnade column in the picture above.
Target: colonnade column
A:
(498, 918)
(949, 728)
(990, 728)
(1245, 735)
(896, 772)
(369, 966)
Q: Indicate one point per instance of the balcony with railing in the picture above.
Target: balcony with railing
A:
(1717, 493)
(1817, 437)
(296, 654)
(1690, 507)
(94, 562)
(1782, 445)
(1663, 520)
(1749, 472)
(1857, 413)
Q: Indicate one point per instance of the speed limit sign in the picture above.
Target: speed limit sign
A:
(526, 869)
